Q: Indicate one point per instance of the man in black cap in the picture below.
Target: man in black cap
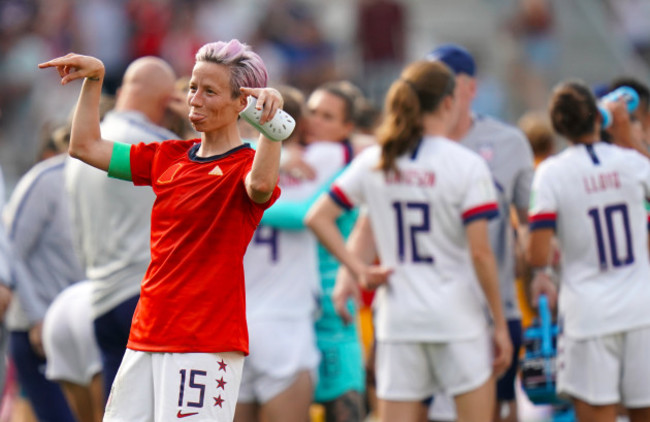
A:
(510, 159)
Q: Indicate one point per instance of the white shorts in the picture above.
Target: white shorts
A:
(415, 371)
(279, 351)
(68, 336)
(159, 387)
(606, 370)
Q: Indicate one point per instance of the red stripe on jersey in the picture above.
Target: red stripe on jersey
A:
(486, 208)
(340, 197)
(542, 221)
(545, 216)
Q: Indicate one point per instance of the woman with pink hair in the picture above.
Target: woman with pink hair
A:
(189, 335)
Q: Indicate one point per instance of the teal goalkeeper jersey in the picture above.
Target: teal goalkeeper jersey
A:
(328, 266)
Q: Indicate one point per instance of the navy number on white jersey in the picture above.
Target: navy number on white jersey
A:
(615, 216)
(192, 384)
(402, 213)
(265, 235)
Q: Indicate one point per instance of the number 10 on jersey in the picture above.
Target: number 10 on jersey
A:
(614, 216)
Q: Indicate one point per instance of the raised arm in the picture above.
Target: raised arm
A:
(86, 142)
(621, 129)
(263, 177)
(290, 215)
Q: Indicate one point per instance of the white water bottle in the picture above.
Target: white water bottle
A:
(277, 129)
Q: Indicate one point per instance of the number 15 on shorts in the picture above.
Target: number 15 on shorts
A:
(209, 390)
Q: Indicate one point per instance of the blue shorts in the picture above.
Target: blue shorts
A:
(46, 396)
(112, 332)
(341, 367)
(506, 384)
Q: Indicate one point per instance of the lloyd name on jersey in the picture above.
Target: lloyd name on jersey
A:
(600, 182)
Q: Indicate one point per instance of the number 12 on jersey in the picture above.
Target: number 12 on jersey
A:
(409, 231)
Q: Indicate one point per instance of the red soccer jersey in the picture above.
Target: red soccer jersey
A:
(193, 296)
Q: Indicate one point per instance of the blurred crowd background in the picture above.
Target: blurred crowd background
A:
(522, 47)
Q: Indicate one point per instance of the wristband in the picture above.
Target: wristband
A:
(120, 164)
(546, 270)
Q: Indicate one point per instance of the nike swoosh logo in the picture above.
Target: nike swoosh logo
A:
(184, 415)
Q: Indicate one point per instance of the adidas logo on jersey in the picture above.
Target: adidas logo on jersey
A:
(216, 171)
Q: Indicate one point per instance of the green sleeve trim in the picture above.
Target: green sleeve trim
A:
(120, 165)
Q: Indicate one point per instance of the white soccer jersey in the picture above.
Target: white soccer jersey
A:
(281, 266)
(593, 196)
(418, 222)
(509, 157)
